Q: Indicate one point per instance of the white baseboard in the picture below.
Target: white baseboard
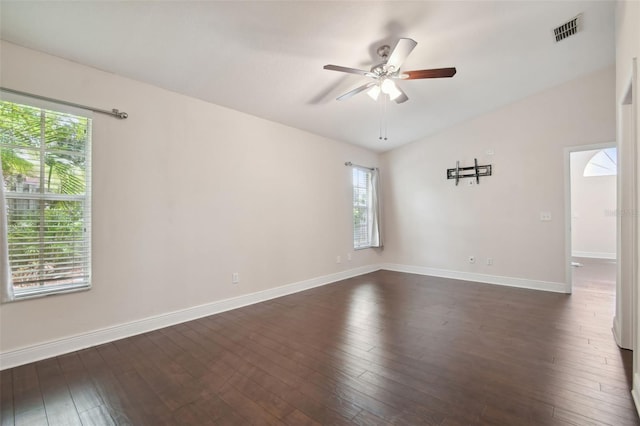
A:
(65, 345)
(594, 255)
(482, 278)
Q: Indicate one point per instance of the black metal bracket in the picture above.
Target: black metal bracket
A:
(463, 172)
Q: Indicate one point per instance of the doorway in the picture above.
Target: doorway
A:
(593, 203)
(593, 206)
(591, 188)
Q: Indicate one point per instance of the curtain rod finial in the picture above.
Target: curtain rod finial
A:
(120, 115)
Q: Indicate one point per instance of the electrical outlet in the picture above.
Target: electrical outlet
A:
(338, 259)
(489, 261)
(545, 216)
(472, 259)
(235, 278)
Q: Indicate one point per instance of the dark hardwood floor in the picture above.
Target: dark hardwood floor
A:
(383, 348)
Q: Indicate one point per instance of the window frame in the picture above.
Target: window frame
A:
(42, 196)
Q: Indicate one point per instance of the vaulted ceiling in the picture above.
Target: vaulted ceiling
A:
(265, 57)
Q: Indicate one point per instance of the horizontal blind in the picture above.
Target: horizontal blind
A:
(47, 173)
(361, 206)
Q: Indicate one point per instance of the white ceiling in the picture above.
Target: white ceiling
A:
(265, 58)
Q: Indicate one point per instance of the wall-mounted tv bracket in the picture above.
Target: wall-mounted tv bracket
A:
(468, 172)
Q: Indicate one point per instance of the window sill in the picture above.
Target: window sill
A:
(367, 247)
(53, 291)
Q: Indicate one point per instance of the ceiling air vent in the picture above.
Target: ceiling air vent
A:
(568, 28)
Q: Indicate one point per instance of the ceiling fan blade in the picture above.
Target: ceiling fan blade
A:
(356, 91)
(400, 52)
(432, 73)
(348, 70)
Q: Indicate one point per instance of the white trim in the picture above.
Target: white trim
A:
(65, 345)
(635, 332)
(594, 255)
(627, 244)
(482, 278)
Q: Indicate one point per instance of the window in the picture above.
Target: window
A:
(46, 168)
(361, 180)
(366, 232)
(603, 163)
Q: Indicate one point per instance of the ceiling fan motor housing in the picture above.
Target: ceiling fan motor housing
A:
(383, 51)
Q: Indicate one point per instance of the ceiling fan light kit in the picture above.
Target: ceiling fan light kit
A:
(387, 71)
(386, 87)
(374, 92)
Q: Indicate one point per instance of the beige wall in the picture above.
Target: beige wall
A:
(184, 194)
(438, 225)
(593, 207)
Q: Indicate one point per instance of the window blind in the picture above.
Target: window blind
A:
(361, 207)
(46, 168)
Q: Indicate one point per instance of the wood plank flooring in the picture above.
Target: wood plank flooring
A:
(383, 348)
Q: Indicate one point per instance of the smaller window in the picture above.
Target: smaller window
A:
(361, 208)
(366, 208)
(603, 163)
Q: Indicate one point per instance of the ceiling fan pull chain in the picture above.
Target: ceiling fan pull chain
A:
(381, 116)
(386, 101)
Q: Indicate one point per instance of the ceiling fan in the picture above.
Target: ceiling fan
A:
(384, 73)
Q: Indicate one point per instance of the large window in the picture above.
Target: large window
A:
(366, 230)
(46, 175)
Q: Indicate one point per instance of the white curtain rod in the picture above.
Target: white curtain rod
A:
(350, 164)
(114, 112)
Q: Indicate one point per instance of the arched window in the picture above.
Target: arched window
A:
(603, 163)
